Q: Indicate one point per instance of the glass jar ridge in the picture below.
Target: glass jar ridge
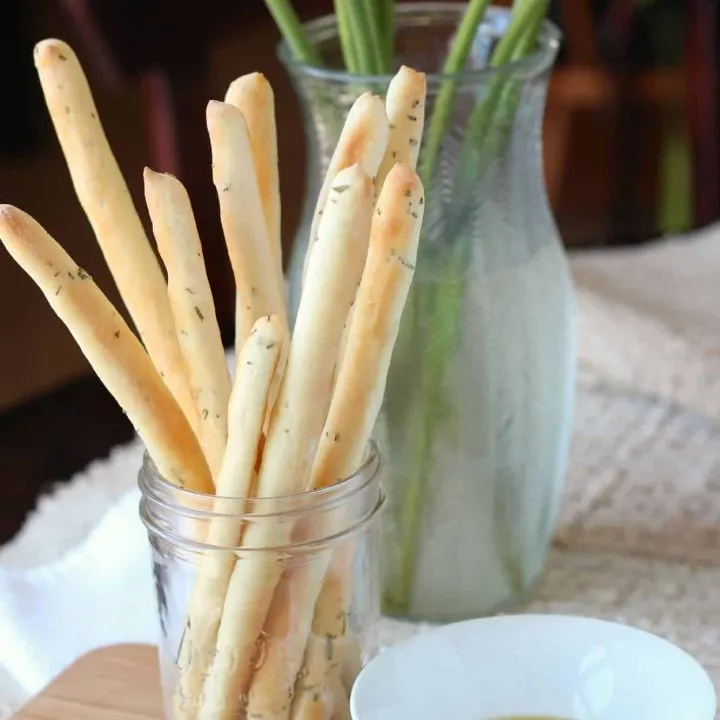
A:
(164, 504)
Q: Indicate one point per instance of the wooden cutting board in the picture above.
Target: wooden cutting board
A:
(114, 683)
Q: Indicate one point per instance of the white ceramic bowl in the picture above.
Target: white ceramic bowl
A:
(569, 667)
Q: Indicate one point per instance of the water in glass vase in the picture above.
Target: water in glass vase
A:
(473, 495)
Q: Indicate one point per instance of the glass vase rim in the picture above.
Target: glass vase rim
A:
(190, 502)
(533, 65)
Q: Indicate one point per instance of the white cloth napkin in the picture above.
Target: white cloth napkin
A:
(78, 576)
(99, 593)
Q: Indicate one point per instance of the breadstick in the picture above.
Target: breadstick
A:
(253, 95)
(103, 194)
(405, 106)
(339, 701)
(405, 109)
(295, 428)
(243, 223)
(362, 142)
(306, 391)
(353, 411)
(110, 347)
(333, 703)
(352, 660)
(376, 321)
(256, 367)
(286, 633)
(327, 643)
(356, 402)
(193, 310)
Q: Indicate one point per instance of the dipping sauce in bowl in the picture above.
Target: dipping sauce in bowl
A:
(533, 667)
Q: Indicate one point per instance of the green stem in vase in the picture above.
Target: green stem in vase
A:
(387, 23)
(491, 121)
(347, 41)
(292, 30)
(371, 21)
(358, 19)
(381, 31)
(515, 44)
(439, 303)
(437, 308)
(455, 62)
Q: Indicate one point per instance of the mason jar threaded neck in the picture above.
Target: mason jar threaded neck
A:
(182, 516)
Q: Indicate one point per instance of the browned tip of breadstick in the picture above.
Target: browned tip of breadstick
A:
(353, 174)
(52, 48)
(110, 347)
(405, 106)
(216, 109)
(366, 125)
(253, 95)
(363, 141)
(413, 81)
(399, 209)
(252, 82)
(150, 174)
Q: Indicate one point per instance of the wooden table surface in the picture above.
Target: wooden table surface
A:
(114, 683)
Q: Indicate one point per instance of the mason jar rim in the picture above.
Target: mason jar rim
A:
(302, 546)
(190, 503)
(325, 27)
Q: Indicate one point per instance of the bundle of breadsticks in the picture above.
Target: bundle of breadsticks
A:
(298, 413)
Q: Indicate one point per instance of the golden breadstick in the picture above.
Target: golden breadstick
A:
(405, 106)
(356, 402)
(339, 700)
(377, 312)
(306, 390)
(103, 194)
(286, 633)
(327, 642)
(193, 310)
(361, 384)
(243, 222)
(362, 142)
(110, 347)
(295, 427)
(333, 703)
(253, 95)
(352, 660)
(257, 364)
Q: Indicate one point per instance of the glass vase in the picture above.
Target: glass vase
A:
(255, 629)
(476, 419)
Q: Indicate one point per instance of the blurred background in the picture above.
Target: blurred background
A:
(632, 151)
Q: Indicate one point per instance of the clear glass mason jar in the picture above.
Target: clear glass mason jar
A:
(274, 643)
(477, 414)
